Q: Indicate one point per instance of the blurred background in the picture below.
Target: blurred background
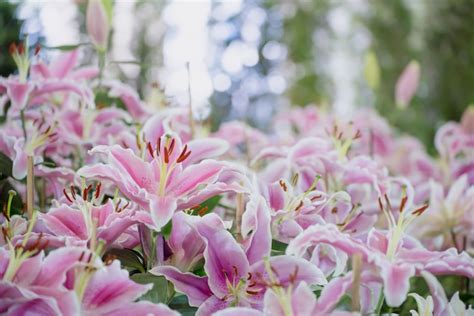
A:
(250, 59)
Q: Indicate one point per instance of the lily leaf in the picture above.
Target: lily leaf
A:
(158, 293)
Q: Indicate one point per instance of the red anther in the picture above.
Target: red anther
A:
(420, 210)
(203, 211)
(249, 276)
(125, 206)
(293, 275)
(150, 149)
(97, 190)
(314, 198)
(388, 201)
(52, 135)
(403, 204)
(167, 155)
(234, 269)
(47, 130)
(283, 185)
(117, 206)
(5, 234)
(339, 136)
(184, 155)
(299, 206)
(81, 256)
(158, 146)
(334, 210)
(85, 193)
(12, 49)
(67, 196)
(252, 284)
(252, 292)
(380, 204)
(41, 123)
(357, 135)
(37, 49)
(89, 258)
(171, 146)
(73, 192)
(21, 48)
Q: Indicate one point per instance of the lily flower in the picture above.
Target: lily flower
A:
(85, 220)
(161, 180)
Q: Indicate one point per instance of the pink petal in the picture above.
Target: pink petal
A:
(396, 278)
(239, 311)
(290, 270)
(18, 93)
(162, 210)
(64, 64)
(256, 218)
(333, 292)
(194, 287)
(211, 305)
(205, 148)
(203, 173)
(109, 288)
(66, 221)
(224, 258)
(142, 308)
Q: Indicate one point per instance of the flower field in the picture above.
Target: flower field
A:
(113, 207)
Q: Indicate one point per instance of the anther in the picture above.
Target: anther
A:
(67, 196)
(420, 210)
(150, 150)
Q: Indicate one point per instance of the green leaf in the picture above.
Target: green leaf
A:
(180, 304)
(67, 47)
(208, 205)
(158, 293)
(278, 245)
(6, 166)
(129, 258)
(166, 230)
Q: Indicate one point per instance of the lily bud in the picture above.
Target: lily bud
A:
(407, 84)
(97, 23)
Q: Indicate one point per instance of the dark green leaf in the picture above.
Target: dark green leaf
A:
(129, 258)
(6, 165)
(180, 304)
(159, 292)
(166, 230)
(278, 245)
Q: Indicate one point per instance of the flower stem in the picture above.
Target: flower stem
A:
(378, 308)
(191, 116)
(356, 271)
(30, 187)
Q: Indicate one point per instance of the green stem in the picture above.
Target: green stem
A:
(23, 123)
(378, 309)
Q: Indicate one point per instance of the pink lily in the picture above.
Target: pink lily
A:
(161, 180)
(87, 221)
(450, 217)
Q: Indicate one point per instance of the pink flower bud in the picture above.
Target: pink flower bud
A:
(407, 84)
(97, 24)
